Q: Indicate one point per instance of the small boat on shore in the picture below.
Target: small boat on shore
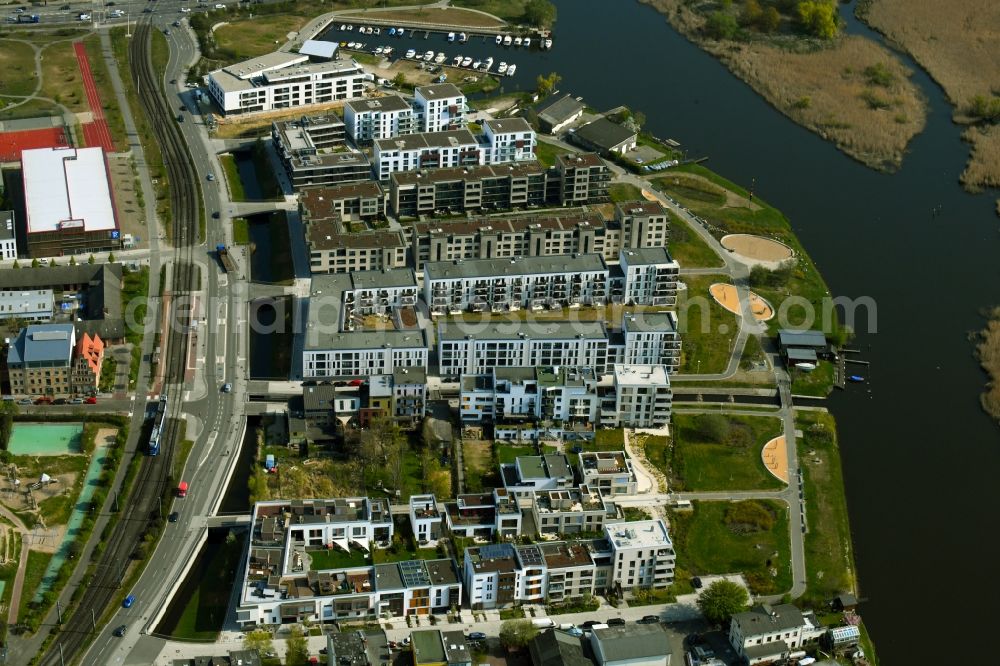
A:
(511, 69)
(378, 51)
(387, 51)
(466, 61)
(477, 64)
(410, 53)
(501, 68)
(429, 56)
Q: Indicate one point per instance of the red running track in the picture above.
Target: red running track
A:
(12, 143)
(95, 133)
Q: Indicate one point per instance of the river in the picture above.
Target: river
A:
(920, 456)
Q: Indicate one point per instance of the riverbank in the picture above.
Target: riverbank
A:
(849, 90)
(959, 50)
(988, 353)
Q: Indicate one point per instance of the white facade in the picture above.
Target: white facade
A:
(509, 140)
(764, 632)
(651, 338)
(334, 361)
(609, 472)
(379, 118)
(644, 554)
(34, 305)
(282, 81)
(642, 397)
(650, 277)
(450, 148)
(560, 395)
(440, 107)
(425, 519)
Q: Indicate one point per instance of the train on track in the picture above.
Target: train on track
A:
(159, 421)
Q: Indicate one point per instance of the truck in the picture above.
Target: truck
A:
(225, 258)
(28, 18)
(182, 489)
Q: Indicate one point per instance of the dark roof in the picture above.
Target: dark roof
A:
(57, 277)
(579, 160)
(347, 647)
(801, 355)
(318, 397)
(765, 619)
(788, 338)
(632, 641)
(557, 648)
(772, 649)
(555, 110)
(365, 190)
(604, 134)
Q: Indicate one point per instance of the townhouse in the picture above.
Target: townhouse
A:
(8, 235)
(312, 152)
(310, 560)
(483, 515)
(448, 148)
(282, 80)
(379, 118)
(509, 140)
(439, 107)
(644, 555)
(87, 364)
(572, 511)
(767, 633)
(502, 285)
(469, 188)
(426, 520)
(609, 472)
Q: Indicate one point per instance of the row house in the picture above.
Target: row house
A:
(48, 360)
(426, 520)
(379, 118)
(577, 510)
(528, 474)
(608, 472)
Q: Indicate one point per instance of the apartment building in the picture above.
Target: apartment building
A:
(409, 394)
(643, 223)
(28, 305)
(426, 520)
(311, 149)
(644, 555)
(572, 511)
(282, 80)
(332, 249)
(649, 276)
(440, 107)
(8, 235)
(334, 343)
(363, 202)
(476, 348)
(509, 140)
(447, 148)
(309, 560)
(40, 360)
(470, 188)
(528, 474)
(484, 515)
(502, 285)
(642, 397)
(87, 364)
(583, 178)
(608, 472)
(766, 633)
(379, 118)
(647, 338)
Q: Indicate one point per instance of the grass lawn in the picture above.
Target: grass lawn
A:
(478, 464)
(17, 62)
(251, 37)
(33, 574)
(829, 559)
(454, 16)
(700, 464)
(707, 329)
(236, 191)
(241, 231)
(135, 287)
(56, 509)
(382, 556)
(706, 545)
(62, 81)
(624, 192)
(335, 558)
(507, 453)
(818, 382)
(606, 440)
(546, 153)
(483, 84)
(30, 109)
(688, 248)
(266, 180)
(102, 79)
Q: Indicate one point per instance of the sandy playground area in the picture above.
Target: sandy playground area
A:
(775, 458)
(757, 249)
(726, 296)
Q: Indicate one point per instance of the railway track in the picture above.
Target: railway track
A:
(142, 507)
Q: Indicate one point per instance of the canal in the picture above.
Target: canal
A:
(920, 456)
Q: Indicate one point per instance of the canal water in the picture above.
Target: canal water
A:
(920, 456)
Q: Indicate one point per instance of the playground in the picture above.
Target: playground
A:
(757, 250)
(727, 296)
(775, 457)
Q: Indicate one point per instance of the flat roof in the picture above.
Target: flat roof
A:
(633, 642)
(318, 48)
(255, 66)
(381, 104)
(641, 375)
(641, 207)
(534, 265)
(438, 91)
(552, 330)
(789, 338)
(604, 133)
(384, 279)
(427, 140)
(366, 189)
(66, 188)
(21, 302)
(646, 256)
(664, 321)
(427, 646)
(508, 125)
(277, 75)
(471, 172)
(580, 160)
(7, 230)
(554, 221)
(639, 534)
(323, 235)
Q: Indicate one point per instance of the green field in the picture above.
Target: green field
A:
(705, 545)
(236, 191)
(702, 464)
(624, 192)
(829, 558)
(818, 382)
(335, 558)
(688, 248)
(17, 62)
(507, 453)
(707, 330)
(546, 153)
(251, 37)
(241, 231)
(38, 562)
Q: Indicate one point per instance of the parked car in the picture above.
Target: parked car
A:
(696, 583)
(129, 600)
(648, 619)
(174, 516)
(44, 400)
(59, 401)
(120, 630)
(476, 636)
(90, 401)
(24, 401)
(589, 624)
(76, 401)
(215, 215)
(577, 449)
(211, 176)
(615, 622)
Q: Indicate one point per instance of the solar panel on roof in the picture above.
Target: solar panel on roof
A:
(495, 551)
(531, 555)
(414, 573)
(50, 335)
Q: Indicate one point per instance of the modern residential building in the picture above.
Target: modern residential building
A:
(631, 645)
(642, 397)
(470, 188)
(572, 511)
(644, 555)
(335, 344)
(528, 474)
(409, 394)
(502, 285)
(609, 472)
(312, 151)
(433, 647)
(283, 80)
(8, 235)
(33, 306)
(647, 338)
(87, 364)
(363, 202)
(440, 107)
(605, 137)
(447, 148)
(332, 249)
(484, 515)
(68, 202)
(768, 633)
(509, 140)
(379, 118)
(309, 560)
(555, 113)
(643, 223)
(40, 360)
(467, 348)
(426, 520)
(583, 178)
(649, 276)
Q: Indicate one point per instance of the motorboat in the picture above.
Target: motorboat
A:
(378, 51)
(399, 32)
(451, 36)
(343, 27)
(378, 31)
(343, 44)
(392, 32)
(517, 41)
(499, 39)
(429, 56)
(857, 379)
(547, 43)
(527, 42)
(466, 61)
(488, 63)
(477, 64)
(511, 69)
(807, 367)
(350, 27)
(501, 68)
(439, 58)
(411, 53)
(507, 40)
(387, 51)
(462, 37)
(456, 61)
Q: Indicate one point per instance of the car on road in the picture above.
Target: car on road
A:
(76, 401)
(174, 516)
(166, 32)
(185, 10)
(696, 583)
(177, 24)
(172, 81)
(120, 630)
(44, 400)
(24, 401)
(215, 215)
(648, 619)
(615, 622)
(406, 641)
(59, 401)
(227, 388)
(90, 401)
(476, 636)
(589, 624)
(129, 600)
(219, 5)
(211, 176)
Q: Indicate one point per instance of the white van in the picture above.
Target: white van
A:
(543, 623)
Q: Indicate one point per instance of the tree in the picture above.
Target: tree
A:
(721, 25)
(111, 257)
(72, 261)
(752, 13)
(34, 263)
(259, 640)
(819, 18)
(90, 259)
(721, 600)
(399, 80)
(515, 634)
(770, 20)
(541, 13)
(546, 84)
(297, 647)
(17, 264)
(713, 427)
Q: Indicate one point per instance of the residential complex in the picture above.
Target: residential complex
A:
(283, 80)
(642, 397)
(311, 149)
(89, 358)
(768, 633)
(509, 140)
(440, 107)
(40, 360)
(609, 472)
(583, 178)
(379, 118)
(446, 148)
(471, 188)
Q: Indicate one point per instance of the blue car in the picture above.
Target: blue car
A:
(129, 600)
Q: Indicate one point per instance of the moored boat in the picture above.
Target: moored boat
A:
(511, 69)
(501, 68)
(547, 43)
(411, 53)
(451, 36)
(499, 38)
(507, 40)
(466, 61)
(527, 42)
(517, 41)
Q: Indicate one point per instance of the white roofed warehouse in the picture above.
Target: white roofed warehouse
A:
(68, 202)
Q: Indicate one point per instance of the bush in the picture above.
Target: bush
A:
(721, 25)
(749, 517)
(712, 427)
(879, 75)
